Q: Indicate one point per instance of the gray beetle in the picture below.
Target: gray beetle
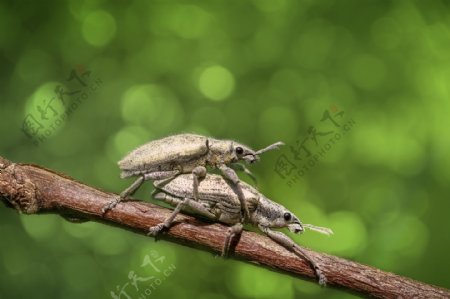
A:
(217, 200)
(187, 153)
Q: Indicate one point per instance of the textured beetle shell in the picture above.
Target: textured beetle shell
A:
(214, 191)
(170, 153)
(212, 185)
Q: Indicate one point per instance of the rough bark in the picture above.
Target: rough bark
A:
(31, 189)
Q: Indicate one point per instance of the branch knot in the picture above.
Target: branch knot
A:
(17, 188)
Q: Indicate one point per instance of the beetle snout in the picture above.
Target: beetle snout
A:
(251, 158)
(295, 228)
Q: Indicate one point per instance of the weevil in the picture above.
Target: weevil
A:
(187, 153)
(217, 200)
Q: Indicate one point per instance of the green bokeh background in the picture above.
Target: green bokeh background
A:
(255, 71)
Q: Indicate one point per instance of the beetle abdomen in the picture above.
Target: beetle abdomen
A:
(164, 154)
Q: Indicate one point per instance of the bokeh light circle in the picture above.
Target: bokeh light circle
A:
(99, 28)
(216, 83)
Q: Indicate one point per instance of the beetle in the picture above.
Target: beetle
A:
(218, 201)
(187, 153)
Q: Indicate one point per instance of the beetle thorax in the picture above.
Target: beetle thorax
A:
(220, 152)
(269, 213)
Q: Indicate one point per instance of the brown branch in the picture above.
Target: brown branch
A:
(31, 189)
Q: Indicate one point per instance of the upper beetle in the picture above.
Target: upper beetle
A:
(187, 153)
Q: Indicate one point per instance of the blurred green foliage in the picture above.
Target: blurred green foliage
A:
(255, 71)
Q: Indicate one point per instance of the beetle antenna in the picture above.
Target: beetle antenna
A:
(270, 147)
(323, 230)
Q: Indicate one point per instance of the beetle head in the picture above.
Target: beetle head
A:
(228, 151)
(274, 215)
(292, 222)
(244, 153)
(248, 155)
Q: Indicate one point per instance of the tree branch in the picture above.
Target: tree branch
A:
(32, 189)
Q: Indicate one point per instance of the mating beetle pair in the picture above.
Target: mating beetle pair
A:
(168, 162)
(187, 153)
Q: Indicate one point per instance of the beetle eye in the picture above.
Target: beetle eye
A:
(239, 150)
(287, 216)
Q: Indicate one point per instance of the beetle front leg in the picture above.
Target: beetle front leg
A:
(287, 242)
(242, 167)
(231, 175)
(232, 232)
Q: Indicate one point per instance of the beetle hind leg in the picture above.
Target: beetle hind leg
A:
(124, 194)
(161, 175)
(133, 187)
(181, 204)
(155, 230)
(157, 175)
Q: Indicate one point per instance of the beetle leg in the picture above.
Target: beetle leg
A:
(154, 230)
(232, 232)
(287, 242)
(133, 187)
(161, 175)
(130, 190)
(171, 200)
(186, 202)
(231, 175)
(198, 172)
(241, 167)
(157, 175)
(196, 207)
